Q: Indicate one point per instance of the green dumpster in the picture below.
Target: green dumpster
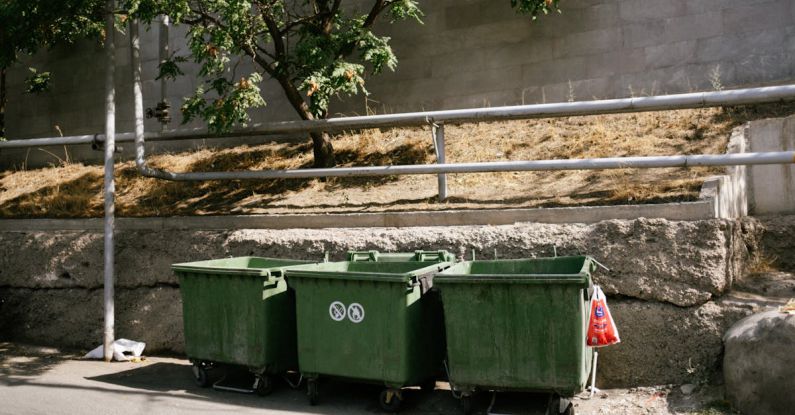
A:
(238, 311)
(369, 321)
(535, 312)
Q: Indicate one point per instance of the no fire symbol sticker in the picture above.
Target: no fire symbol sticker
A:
(337, 311)
(355, 313)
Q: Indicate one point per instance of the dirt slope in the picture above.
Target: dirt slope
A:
(75, 190)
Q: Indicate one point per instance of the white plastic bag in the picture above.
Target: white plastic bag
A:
(120, 347)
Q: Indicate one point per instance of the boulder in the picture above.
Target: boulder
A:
(665, 344)
(759, 363)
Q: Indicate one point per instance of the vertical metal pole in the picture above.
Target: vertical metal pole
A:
(438, 142)
(110, 135)
(138, 100)
(593, 374)
(164, 55)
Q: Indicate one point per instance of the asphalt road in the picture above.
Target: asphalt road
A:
(43, 381)
(40, 380)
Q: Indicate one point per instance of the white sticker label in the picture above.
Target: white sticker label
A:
(337, 311)
(355, 313)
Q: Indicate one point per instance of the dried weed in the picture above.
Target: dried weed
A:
(75, 190)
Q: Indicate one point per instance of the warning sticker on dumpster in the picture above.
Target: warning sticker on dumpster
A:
(355, 313)
(337, 311)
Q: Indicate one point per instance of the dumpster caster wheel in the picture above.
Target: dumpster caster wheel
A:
(390, 400)
(560, 406)
(311, 391)
(200, 375)
(428, 385)
(466, 404)
(263, 385)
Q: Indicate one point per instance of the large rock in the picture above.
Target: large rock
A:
(683, 263)
(759, 364)
(663, 344)
(771, 239)
(73, 317)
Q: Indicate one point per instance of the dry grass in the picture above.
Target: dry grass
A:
(763, 263)
(74, 190)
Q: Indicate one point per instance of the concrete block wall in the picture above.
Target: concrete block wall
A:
(472, 53)
(772, 187)
(729, 192)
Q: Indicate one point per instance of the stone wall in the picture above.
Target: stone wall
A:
(666, 282)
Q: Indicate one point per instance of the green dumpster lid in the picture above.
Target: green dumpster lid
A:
(557, 270)
(241, 266)
(366, 270)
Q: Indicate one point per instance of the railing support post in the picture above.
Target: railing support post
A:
(438, 144)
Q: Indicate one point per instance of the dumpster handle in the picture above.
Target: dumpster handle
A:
(600, 264)
(424, 256)
(590, 290)
(360, 256)
(425, 281)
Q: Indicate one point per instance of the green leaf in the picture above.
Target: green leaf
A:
(37, 82)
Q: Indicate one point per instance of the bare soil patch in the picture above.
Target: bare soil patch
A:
(75, 190)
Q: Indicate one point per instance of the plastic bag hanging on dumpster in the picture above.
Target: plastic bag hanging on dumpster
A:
(602, 329)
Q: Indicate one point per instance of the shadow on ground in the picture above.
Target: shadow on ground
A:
(27, 362)
(175, 379)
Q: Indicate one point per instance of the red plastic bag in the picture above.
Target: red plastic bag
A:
(602, 329)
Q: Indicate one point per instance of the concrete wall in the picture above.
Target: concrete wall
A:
(473, 53)
(729, 192)
(772, 187)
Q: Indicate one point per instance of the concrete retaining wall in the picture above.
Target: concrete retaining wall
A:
(772, 187)
(666, 281)
(470, 53)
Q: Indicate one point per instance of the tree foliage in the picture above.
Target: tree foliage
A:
(29, 25)
(314, 49)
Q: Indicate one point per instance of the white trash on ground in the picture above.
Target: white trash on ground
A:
(120, 347)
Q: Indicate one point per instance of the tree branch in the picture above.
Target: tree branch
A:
(276, 35)
(378, 7)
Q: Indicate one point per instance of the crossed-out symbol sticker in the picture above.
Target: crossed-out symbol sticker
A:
(338, 312)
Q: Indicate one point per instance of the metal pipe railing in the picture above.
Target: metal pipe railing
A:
(610, 106)
(779, 157)
(138, 107)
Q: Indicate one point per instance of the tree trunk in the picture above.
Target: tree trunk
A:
(321, 142)
(2, 102)
(323, 150)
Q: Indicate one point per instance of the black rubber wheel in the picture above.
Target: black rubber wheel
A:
(311, 391)
(428, 386)
(263, 385)
(466, 404)
(554, 405)
(200, 375)
(390, 400)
